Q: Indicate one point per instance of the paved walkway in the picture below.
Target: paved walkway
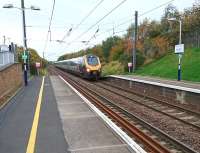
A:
(16, 121)
(47, 116)
(84, 131)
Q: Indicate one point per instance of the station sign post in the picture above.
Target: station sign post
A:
(179, 49)
(37, 65)
(25, 57)
(130, 66)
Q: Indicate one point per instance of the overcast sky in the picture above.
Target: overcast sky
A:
(68, 14)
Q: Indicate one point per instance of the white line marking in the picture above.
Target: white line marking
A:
(97, 147)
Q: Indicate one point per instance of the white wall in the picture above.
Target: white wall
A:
(6, 57)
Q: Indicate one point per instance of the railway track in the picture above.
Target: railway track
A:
(129, 86)
(184, 115)
(152, 138)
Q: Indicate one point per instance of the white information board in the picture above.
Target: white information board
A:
(129, 64)
(37, 64)
(179, 48)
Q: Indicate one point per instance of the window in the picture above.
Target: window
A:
(92, 60)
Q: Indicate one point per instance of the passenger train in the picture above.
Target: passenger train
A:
(87, 66)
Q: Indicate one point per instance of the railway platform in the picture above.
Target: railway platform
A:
(181, 92)
(49, 116)
(182, 85)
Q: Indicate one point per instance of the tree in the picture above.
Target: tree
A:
(170, 12)
(33, 56)
(107, 45)
(116, 51)
(97, 50)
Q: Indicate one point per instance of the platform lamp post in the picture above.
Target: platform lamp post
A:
(25, 55)
(182, 50)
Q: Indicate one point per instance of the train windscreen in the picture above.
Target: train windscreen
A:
(92, 60)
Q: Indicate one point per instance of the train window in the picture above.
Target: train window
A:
(92, 60)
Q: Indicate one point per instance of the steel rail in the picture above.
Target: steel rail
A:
(156, 99)
(150, 107)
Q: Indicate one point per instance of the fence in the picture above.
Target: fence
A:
(192, 39)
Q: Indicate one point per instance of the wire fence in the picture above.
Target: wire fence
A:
(192, 39)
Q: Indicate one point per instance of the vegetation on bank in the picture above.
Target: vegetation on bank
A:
(167, 66)
(114, 67)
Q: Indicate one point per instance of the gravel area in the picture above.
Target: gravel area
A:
(182, 132)
(126, 84)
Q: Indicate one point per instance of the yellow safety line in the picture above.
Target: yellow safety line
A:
(32, 138)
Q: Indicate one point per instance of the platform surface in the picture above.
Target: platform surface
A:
(84, 131)
(66, 123)
(16, 120)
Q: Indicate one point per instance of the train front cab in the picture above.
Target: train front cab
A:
(92, 67)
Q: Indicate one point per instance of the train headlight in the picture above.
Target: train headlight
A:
(88, 70)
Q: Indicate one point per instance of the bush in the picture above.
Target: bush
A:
(139, 59)
(42, 71)
(114, 67)
(33, 69)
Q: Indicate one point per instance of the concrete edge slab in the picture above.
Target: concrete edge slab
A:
(95, 148)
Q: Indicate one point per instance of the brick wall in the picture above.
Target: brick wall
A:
(10, 80)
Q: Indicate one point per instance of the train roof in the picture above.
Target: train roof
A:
(75, 59)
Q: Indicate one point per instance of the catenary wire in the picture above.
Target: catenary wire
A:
(149, 11)
(128, 21)
(98, 21)
(155, 8)
(49, 28)
(93, 9)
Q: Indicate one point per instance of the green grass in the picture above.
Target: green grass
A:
(112, 68)
(167, 66)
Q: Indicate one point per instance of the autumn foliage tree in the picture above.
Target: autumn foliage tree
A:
(33, 58)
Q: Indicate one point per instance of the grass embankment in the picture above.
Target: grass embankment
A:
(167, 66)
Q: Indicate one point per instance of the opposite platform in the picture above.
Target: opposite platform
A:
(185, 93)
(179, 85)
